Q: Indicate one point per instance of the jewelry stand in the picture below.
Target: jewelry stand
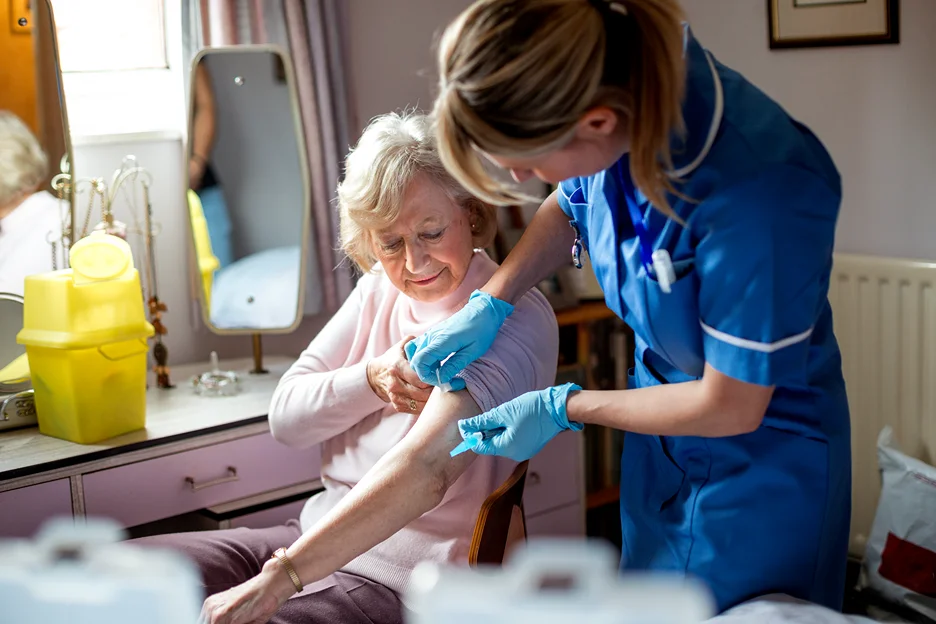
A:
(128, 176)
(258, 356)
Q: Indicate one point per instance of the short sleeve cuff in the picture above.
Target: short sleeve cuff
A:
(764, 364)
(563, 194)
(477, 389)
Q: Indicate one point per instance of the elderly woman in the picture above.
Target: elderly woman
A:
(393, 494)
(29, 218)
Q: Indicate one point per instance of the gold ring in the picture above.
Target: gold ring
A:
(412, 405)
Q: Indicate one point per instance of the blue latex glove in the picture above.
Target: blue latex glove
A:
(467, 334)
(529, 422)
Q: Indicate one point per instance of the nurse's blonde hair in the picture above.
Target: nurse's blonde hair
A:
(516, 76)
(393, 151)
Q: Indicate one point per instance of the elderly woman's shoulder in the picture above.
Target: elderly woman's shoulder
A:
(533, 308)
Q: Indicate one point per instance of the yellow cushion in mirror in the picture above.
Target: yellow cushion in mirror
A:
(16, 371)
(207, 262)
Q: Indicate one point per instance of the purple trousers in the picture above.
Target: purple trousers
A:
(229, 557)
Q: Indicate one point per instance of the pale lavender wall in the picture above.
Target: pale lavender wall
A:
(391, 52)
(873, 106)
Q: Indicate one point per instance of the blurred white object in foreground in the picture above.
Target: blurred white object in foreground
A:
(553, 581)
(81, 574)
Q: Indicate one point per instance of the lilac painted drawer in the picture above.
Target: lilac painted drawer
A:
(568, 521)
(24, 510)
(167, 486)
(554, 475)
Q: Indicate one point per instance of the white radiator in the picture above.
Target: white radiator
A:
(884, 314)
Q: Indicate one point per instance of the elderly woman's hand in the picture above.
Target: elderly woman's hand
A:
(394, 381)
(252, 602)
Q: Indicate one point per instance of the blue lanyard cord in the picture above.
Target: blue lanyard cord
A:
(643, 235)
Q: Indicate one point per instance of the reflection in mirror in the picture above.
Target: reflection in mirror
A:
(34, 146)
(248, 189)
(14, 370)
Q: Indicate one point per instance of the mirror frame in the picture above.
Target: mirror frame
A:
(306, 188)
(6, 388)
(45, 6)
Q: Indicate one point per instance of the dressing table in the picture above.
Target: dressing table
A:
(195, 452)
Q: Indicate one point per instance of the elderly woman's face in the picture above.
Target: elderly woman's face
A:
(426, 252)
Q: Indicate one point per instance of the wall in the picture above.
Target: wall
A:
(391, 53)
(872, 106)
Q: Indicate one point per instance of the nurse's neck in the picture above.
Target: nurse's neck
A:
(608, 150)
(601, 139)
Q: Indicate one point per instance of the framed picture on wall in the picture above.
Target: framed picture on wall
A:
(819, 23)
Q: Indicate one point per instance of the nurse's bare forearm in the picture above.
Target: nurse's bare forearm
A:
(713, 407)
(545, 246)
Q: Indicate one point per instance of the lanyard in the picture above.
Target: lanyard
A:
(643, 236)
(656, 263)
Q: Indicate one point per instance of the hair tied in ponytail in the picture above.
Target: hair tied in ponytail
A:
(610, 5)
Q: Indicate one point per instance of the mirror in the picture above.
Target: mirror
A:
(248, 196)
(34, 147)
(14, 369)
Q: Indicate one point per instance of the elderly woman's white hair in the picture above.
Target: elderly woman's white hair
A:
(23, 164)
(392, 152)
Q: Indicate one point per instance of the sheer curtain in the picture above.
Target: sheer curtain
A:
(312, 31)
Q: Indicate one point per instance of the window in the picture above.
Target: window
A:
(110, 35)
(121, 66)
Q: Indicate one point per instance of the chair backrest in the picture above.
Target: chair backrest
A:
(500, 522)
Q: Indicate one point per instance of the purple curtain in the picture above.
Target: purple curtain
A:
(312, 31)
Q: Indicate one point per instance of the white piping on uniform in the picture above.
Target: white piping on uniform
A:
(568, 198)
(713, 128)
(752, 345)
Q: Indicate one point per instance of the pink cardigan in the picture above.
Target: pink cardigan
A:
(324, 398)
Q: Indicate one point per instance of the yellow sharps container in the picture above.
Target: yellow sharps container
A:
(85, 335)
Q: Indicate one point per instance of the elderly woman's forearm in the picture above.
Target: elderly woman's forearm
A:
(398, 489)
(411, 479)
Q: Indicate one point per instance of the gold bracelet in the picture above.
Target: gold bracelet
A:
(280, 554)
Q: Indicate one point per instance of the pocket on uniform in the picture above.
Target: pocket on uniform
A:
(671, 475)
(674, 319)
(651, 479)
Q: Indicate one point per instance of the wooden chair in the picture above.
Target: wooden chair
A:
(500, 523)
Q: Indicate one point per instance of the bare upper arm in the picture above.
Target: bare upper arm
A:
(435, 434)
(746, 403)
(204, 96)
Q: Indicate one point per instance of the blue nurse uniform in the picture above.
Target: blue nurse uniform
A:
(766, 511)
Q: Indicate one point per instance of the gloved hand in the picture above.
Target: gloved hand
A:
(467, 334)
(528, 422)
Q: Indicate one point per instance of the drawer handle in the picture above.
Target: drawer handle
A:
(535, 478)
(231, 476)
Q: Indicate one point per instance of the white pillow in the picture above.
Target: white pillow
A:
(260, 291)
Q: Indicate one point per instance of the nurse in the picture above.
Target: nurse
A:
(709, 215)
